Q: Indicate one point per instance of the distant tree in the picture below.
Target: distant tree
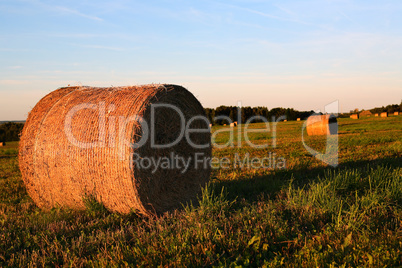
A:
(392, 108)
(10, 131)
(210, 114)
(231, 115)
(222, 111)
(246, 113)
(277, 112)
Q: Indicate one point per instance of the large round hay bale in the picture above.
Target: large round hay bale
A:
(105, 143)
(384, 114)
(322, 125)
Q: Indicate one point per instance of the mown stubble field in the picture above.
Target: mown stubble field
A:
(304, 213)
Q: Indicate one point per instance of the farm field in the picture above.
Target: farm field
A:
(300, 212)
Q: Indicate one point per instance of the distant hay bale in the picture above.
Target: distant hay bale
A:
(85, 141)
(235, 123)
(384, 114)
(376, 115)
(354, 116)
(285, 120)
(224, 125)
(232, 125)
(298, 119)
(396, 113)
(3, 143)
(322, 125)
(365, 113)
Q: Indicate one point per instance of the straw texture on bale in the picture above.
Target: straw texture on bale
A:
(322, 125)
(385, 114)
(354, 116)
(102, 163)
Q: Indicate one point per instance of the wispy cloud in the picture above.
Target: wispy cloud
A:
(76, 12)
(65, 10)
(15, 67)
(11, 82)
(101, 47)
(78, 35)
(287, 11)
(267, 15)
(6, 49)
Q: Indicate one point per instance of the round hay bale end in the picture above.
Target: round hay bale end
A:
(376, 115)
(127, 147)
(322, 125)
(396, 113)
(384, 114)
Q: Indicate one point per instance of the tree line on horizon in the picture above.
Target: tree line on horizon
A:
(389, 109)
(289, 114)
(10, 131)
(221, 114)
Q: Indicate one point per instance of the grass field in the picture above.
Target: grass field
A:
(305, 213)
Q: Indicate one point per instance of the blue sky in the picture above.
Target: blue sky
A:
(300, 54)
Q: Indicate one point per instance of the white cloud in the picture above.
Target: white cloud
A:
(63, 9)
(76, 12)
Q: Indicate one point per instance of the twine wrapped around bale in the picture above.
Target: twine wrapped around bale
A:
(85, 141)
(322, 125)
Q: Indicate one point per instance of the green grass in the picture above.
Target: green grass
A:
(306, 215)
